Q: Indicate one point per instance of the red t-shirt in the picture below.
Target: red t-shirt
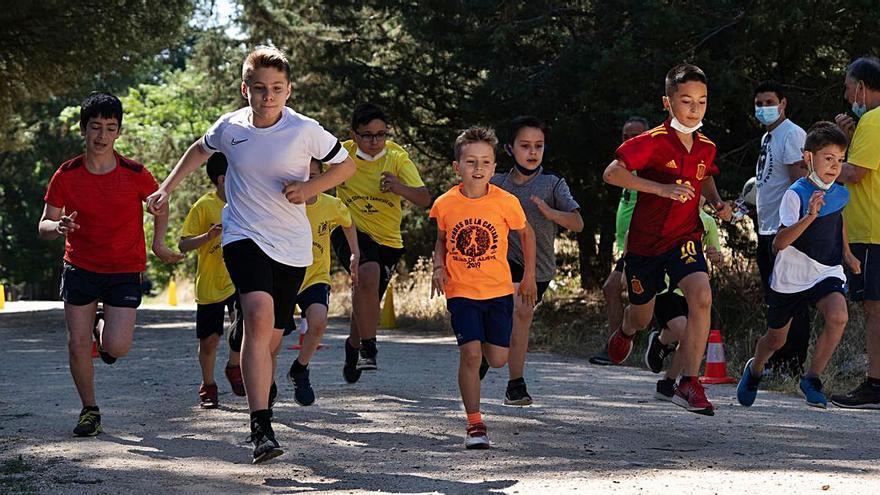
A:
(661, 224)
(110, 214)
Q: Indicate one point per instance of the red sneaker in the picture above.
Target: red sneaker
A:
(691, 396)
(619, 346)
(476, 437)
(233, 374)
(208, 396)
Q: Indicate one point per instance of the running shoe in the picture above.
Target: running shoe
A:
(747, 389)
(691, 396)
(865, 396)
(484, 368)
(665, 389)
(265, 445)
(233, 374)
(350, 371)
(367, 359)
(96, 332)
(656, 352)
(619, 346)
(89, 423)
(476, 437)
(601, 358)
(516, 394)
(208, 396)
(811, 388)
(302, 387)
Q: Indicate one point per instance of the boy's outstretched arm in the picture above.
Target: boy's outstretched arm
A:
(710, 192)
(298, 192)
(528, 288)
(194, 157)
(570, 220)
(617, 174)
(352, 238)
(187, 244)
(439, 276)
(419, 196)
(786, 235)
(160, 228)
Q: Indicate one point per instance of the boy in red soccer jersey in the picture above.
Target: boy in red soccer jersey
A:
(95, 201)
(675, 166)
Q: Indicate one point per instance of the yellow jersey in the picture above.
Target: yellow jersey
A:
(861, 214)
(324, 215)
(213, 284)
(378, 213)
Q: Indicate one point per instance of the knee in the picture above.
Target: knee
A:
(318, 328)
(208, 345)
(700, 300)
(837, 319)
(471, 358)
(611, 289)
(497, 360)
(775, 340)
(117, 349)
(368, 278)
(77, 343)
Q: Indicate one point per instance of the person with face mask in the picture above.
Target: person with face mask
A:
(861, 174)
(780, 163)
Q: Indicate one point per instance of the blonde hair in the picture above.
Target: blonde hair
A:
(264, 56)
(475, 134)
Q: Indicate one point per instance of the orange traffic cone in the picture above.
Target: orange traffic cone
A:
(716, 364)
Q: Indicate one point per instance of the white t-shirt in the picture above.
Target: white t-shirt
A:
(261, 162)
(783, 147)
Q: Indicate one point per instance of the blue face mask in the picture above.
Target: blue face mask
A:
(767, 115)
(859, 110)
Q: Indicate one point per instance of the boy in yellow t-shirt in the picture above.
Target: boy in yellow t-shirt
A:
(383, 176)
(325, 213)
(470, 267)
(215, 293)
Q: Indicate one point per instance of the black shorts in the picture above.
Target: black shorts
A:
(80, 287)
(866, 285)
(646, 275)
(783, 306)
(489, 321)
(669, 306)
(516, 273)
(313, 294)
(387, 257)
(211, 318)
(253, 270)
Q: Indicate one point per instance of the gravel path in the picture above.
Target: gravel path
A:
(400, 430)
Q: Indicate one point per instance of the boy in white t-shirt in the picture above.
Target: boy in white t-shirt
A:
(267, 239)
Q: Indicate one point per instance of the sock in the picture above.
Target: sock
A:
(260, 417)
(92, 408)
(685, 379)
(516, 381)
(474, 418)
(298, 367)
(369, 344)
(810, 374)
(874, 382)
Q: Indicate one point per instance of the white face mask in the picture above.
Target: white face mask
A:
(678, 126)
(370, 158)
(815, 179)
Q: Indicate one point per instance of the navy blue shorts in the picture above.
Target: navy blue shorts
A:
(646, 275)
(669, 306)
(866, 285)
(211, 318)
(80, 287)
(489, 321)
(782, 307)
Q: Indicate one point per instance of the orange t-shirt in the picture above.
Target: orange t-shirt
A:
(476, 241)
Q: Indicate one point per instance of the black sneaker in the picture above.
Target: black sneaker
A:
(665, 389)
(350, 371)
(517, 395)
(99, 320)
(367, 359)
(265, 445)
(656, 352)
(601, 358)
(865, 396)
(484, 368)
(302, 388)
(89, 423)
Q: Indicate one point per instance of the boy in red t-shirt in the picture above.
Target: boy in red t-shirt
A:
(675, 166)
(470, 267)
(94, 201)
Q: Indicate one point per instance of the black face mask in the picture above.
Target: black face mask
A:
(523, 170)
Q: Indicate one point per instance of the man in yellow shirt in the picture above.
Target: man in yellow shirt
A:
(384, 175)
(215, 293)
(861, 174)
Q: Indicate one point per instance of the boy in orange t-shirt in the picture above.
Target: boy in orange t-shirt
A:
(470, 267)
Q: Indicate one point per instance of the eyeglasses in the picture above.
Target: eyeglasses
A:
(379, 136)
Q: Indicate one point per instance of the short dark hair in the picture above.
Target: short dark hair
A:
(366, 113)
(262, 57)
(681, 74)
(216, 167)
(638, 120)
(524, 121)
(867, 70)
(472, 135)
(823, 133)
(770, 87)
(100, 104)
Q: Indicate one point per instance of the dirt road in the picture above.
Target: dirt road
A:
(400, 430)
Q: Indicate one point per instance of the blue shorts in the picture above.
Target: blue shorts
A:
(80, 287)
(782, 307)
(646, 275)
(866, 285)
(489, 321)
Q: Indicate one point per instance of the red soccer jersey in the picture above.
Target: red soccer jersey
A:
(110, 214)
(660, 224)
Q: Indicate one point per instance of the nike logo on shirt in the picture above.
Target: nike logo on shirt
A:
(234, 142)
